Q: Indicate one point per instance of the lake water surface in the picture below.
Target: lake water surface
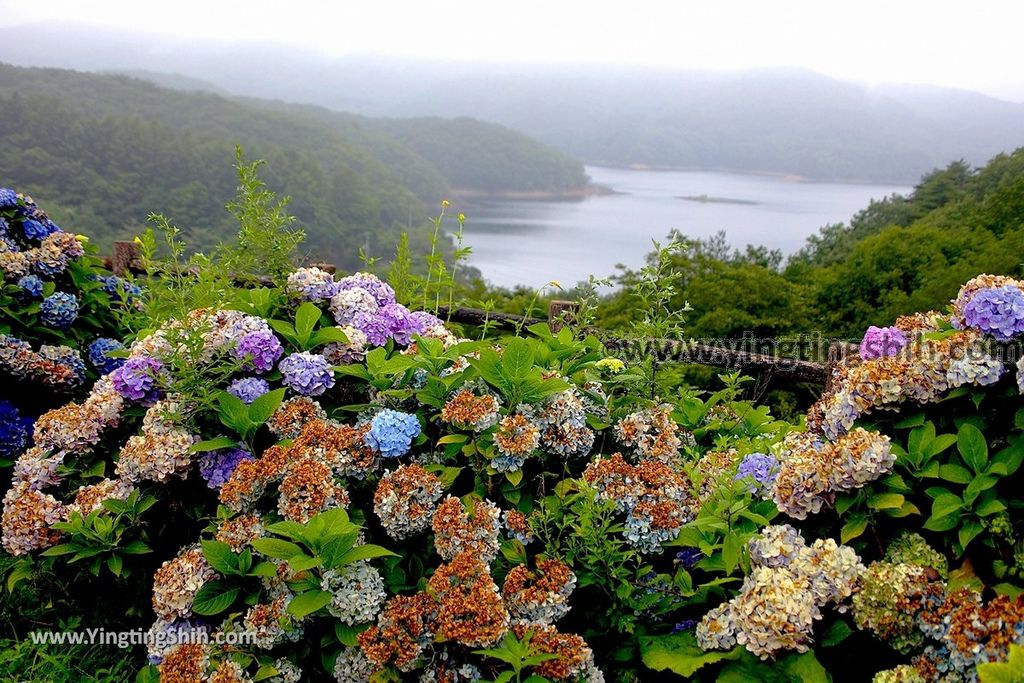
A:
(534, 242)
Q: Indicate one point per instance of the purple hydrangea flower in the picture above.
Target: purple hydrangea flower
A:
(378, 289)
(32, 285)
(8, 197)
(59, 310)
(759, 470)
(353, 306)
(248, 388)
(307, 373)
(15, 430)
(216, 466)
(421, 321)
(260, 350)
(99, 355)
(998, 311)
(392, 321)
(311, 284)
(882, 341)
(137, 379)
(391, 433)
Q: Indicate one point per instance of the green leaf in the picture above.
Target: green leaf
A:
(886, 501)
(288, 528)
(213, 445)
(367, 551)
(853, 528)
(276, 548)
(946, 523)
(21, 571)
(804, 668)
(972, 446)
(213, 598)
(233, 412)
(680, 654)
(346, 634)
(148, 674)
(836, 633)
(978, 485)
(306, 319)
(517, 359)
(220, 557)
(989, 506)
(300, 563)
(58, 550)
(266, 405)
(115, 563)
(955, 474)
(946, 504)
(304, 604)
(328, 335)
(941, 443)
(969, 531)
(731, 552)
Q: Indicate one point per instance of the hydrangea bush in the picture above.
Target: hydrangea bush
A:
(63, 314)
(331, 486)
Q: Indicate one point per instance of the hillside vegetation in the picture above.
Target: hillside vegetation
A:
(110, 149)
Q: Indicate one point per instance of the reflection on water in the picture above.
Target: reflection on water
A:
(526, 242)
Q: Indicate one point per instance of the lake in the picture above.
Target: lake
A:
(534, 242)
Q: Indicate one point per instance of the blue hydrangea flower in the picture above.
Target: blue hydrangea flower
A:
(998, 311)
(69, 358)
(248, 388)
(38, 230)
(259, 349)
(137, 379)
(759, 470)
(119, 288)
(59, 310)
(32, 285)
(688, 557)
(307, 373)
(8, 197)
(216, 466)
(99, 355)
(684, 625)
(391, 433)
(15, 430)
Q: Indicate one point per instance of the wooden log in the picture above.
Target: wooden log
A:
(126, 258)
(782, 369)
(561, 313)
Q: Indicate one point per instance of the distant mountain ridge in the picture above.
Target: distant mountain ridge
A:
(108, 149)
(788, 121)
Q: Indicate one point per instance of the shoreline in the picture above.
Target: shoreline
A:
(572, 194)
(782, 175)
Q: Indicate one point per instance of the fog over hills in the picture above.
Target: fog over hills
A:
(790, 121)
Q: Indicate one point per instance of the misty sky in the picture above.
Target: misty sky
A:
(972, 45)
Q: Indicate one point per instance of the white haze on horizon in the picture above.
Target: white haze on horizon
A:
(870, 41)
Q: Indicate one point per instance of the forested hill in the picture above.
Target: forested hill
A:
(108, 149)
